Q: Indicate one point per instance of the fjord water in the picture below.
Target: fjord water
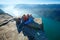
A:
(52, 29)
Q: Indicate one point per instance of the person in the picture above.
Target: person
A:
(30, 19)
(25, 17)
(18, 22)
(23, 27)
(33, 31)
(28, 16)
(27, 29)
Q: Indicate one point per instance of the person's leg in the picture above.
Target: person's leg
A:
(20, 27)
(29, 33)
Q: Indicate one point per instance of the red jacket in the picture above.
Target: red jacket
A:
(25, 18)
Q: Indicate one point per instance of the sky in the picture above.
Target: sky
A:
(29, 1)
(9, 8)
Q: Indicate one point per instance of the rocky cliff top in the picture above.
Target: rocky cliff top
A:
(9, 31)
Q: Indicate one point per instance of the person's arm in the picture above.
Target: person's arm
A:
(29, 21)
(34, 26)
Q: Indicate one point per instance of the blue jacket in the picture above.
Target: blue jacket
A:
(30, 20)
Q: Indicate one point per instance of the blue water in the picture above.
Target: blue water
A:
(52, 28)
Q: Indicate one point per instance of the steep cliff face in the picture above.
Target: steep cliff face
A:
(9, 30)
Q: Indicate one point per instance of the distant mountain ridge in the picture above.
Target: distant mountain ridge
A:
(51, 11)
(38, 5)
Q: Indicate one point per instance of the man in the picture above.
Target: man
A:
(23, 26)
(30, 28)
(18, 22)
